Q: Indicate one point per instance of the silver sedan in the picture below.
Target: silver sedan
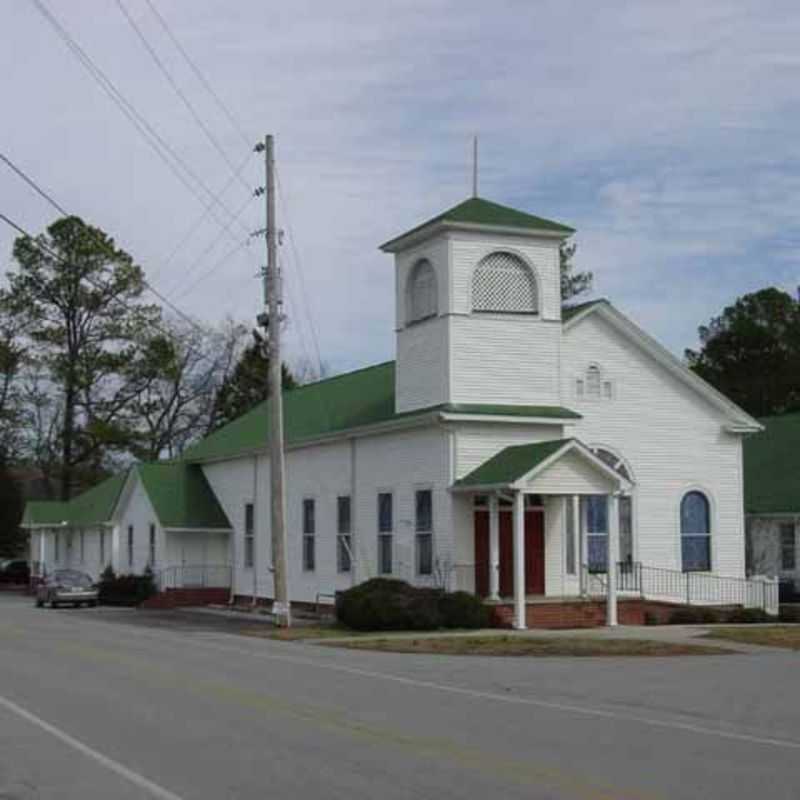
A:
(66, 586)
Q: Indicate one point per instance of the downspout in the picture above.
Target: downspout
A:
(354, 566)
(255, 531)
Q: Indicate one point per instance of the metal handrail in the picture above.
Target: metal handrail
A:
(181, 576)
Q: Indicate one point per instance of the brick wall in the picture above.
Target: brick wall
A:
(174, 598)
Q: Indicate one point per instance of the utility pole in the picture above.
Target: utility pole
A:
(281, 608)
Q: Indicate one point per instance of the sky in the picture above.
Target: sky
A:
(665, 133)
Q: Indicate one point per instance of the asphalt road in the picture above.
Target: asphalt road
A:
(124, 704)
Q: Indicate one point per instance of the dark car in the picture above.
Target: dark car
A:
(16, 571)
(66, 586)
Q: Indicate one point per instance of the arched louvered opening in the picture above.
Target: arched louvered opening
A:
(421, 297)
(504, 283)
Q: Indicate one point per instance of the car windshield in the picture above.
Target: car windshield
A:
(70, 578)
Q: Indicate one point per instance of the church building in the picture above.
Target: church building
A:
(515, 448)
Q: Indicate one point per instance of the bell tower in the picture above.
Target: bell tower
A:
(478, 308)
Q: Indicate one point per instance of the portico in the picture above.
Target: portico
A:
(528, 499)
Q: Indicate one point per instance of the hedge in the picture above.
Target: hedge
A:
(125, 590)
(388, 604)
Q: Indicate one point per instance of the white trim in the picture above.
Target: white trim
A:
(200, 530)
(741, 421)
(449, 416)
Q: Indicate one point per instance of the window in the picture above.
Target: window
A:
(503, 283)
(695, 532)
(597, 532)
(57, 540)
(422, 301)
(385, 531)
(83, 546)
(579, 387)
(130, 545)
(788, 551)
(309, 534)
(607, 390)
(423, 527)
(102, 548)
(571, 530)
(249, 535)
(151, 554)
(593, 381)
(343, 534)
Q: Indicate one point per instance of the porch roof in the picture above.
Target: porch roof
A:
(524, 467)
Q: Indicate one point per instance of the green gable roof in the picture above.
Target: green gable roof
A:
(477, 211)
(181, 496)
(44, 512)
(772, 467)
(92, 507)
(353, 400)
(512, 463)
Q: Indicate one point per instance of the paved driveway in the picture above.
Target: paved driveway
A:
(122, 704)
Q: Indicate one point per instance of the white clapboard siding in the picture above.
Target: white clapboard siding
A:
(672, 439)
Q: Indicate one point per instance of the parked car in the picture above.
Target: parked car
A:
(15, 571)
(66, 586)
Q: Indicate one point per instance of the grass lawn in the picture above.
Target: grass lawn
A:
(787, 636)
(528, 646)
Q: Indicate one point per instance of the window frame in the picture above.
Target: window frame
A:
(249, 530)
(422, 264)
(130, 545)
(309, 533)
(533, 277)
(424, 536)
(790, 528)
(344, 536)
(385, 534)
(709, 535)
(151, 545)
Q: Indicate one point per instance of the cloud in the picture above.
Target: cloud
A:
(666, 133)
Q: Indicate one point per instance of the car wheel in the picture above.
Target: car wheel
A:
(39, 603)
(53, 604)
(92, 603)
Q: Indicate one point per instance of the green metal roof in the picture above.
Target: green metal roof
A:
(512, 463)
(353, 400)
(181, 496)
(772, 467)
(179, 492)
(477, 211)
(92, 507)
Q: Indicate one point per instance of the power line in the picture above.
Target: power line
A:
(53, 202)
(161, 147)
(48, 251)
(193, 66)
(213, 268)
(177, 89)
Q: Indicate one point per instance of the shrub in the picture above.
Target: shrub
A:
(125, 590)
(387, 604)
(748, 616)
(650, 618)
(694, 615)
(463, 610)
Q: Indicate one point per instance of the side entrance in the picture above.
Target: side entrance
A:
(534, 552)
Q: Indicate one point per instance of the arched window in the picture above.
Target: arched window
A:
(695, 532)
(421, 301)
(504, 283)
(593, 381)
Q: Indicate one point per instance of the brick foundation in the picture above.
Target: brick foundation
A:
(583, 613)
(174, 598)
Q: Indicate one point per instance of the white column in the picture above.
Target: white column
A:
(583, 539)
(520, 622)
(612, 556)
(494, 548)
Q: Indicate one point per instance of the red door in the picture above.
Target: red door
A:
(482, 553)
(534, 553)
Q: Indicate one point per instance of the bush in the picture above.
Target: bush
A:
(387, 604)
(650, 618)
(694, 615)
(125, 590)
(748, 616)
